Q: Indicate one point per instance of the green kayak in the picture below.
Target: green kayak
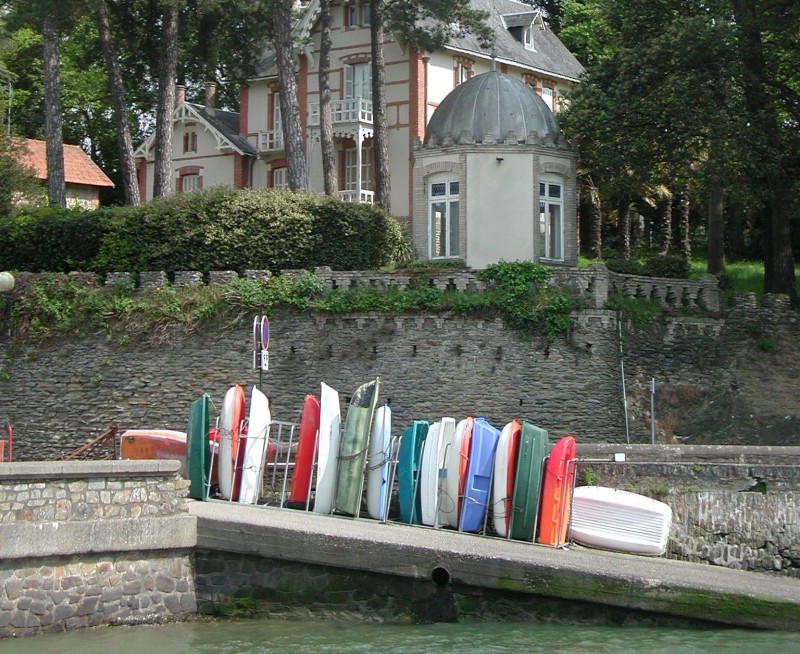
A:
(197, 448)
(353, 448)
(533, 446)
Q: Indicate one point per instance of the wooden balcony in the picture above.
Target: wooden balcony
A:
(351, 110)
(270, 141)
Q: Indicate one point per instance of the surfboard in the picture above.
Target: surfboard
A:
(533, 448)
(619, 520)
(330, 421)
(306, 445)
(255, 448)
(353, 448)
(407, 469)
(378, 463)
(230, 419)
(196, 448)
(559, 478)
(429, 475)
(455, 465)
(477, 482)
(505, 465)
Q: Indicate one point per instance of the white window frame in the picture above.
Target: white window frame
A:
(280, 178)
(350, 163)
(548, 95)
(551, 216)
(365, 15)
(190, 183)
(527, 38)
(450, 228)
(462, 73)
(352, 15)
(358, 81)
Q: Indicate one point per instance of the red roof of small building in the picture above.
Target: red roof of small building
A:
(78, 167)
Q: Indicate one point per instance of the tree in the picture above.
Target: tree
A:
(290, 111)
(124, 141)
(765, 90)
(380, 135)
(15, 179)
(167, 68)
(56, 190)
(325, 119)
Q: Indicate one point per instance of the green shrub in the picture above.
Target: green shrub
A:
(624, 266)
(355, 236)
(50, 239)
(674, 266)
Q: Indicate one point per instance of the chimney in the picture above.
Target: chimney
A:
(211, 94)
(180, 94)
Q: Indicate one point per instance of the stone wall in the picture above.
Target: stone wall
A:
(728, 379)
(89, 543)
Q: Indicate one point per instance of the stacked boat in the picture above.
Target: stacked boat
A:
(461, 474)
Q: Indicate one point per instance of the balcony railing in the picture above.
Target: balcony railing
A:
(358, 197)
(352, 110)
(270, 141)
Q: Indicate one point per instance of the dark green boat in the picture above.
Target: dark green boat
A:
(353, 448)
(533, 447)
(197, 465)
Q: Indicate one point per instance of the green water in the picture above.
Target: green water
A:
(287, 637)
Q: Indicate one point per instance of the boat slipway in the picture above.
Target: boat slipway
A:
(660, 585)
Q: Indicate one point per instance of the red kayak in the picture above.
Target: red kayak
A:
(559, 480)
(306, 444)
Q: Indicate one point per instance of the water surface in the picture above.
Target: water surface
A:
(327, 637)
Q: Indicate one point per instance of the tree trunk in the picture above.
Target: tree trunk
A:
(715, 232)
(167, 67)
(56, 191)
(325, 123)
(736, 224)
(130, 182)
(624, 227)
(596, 213)
(778, 263)
(683, 225)
(290, 110)
(381, 136)
(665, 222)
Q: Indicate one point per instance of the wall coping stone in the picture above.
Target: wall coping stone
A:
(709, 454)
(26, 540)
(27, 470)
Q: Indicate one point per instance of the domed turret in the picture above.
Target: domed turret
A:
(491, 104)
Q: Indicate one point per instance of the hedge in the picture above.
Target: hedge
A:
(216, 229)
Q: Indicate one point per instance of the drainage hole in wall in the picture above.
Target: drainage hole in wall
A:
(440, 576)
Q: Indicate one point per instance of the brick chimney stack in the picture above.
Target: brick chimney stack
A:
(211, 96)
(180, 94)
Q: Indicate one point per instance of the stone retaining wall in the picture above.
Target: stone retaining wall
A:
(89, 543)
(730, 380)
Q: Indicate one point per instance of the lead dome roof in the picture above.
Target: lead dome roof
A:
(491, 103)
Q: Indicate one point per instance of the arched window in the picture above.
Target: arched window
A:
(443, 218)
(551, 216)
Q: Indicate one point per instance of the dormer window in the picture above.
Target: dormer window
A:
(527, 37)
